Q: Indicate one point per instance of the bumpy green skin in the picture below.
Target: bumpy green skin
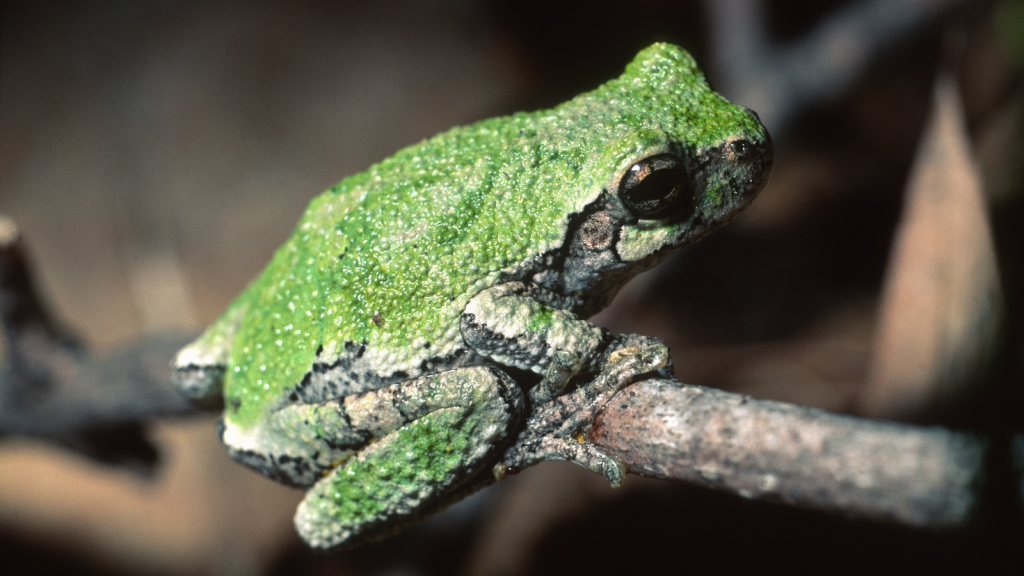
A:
(414, 237)
(416, 464)
(367, 360)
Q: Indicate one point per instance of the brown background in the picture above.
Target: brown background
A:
(155, 155)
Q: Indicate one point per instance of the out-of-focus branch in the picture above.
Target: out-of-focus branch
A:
(802, 456)
(51, 388)
(780, 80)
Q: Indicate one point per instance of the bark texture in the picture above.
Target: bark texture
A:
(802, 456)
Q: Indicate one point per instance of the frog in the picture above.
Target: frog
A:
(423, 332)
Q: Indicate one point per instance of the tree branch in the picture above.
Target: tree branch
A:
(802, 456)
(51, 388)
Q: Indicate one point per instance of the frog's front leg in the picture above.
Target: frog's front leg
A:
(558, 430)
(517, 324)
(425, 441)
(511, 324)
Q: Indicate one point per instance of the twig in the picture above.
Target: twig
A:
(52, 389)
(780, 80)
(802, 456)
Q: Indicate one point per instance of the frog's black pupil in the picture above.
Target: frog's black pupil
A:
(655, 186)
(741, 148)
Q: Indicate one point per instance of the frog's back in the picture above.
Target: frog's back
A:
(370, 286)
(382, 264)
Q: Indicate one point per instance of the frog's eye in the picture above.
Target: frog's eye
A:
(656, 186)
(743, 149)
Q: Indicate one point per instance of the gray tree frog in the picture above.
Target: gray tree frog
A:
(423, 328)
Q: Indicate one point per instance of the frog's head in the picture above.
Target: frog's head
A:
(689, 160)
(678, 161)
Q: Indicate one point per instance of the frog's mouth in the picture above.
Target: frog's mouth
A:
(731, 175)
(726, 177)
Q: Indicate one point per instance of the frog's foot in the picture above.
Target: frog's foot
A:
(527, 452)
(455, 423)
(558, 429)
(563, 366)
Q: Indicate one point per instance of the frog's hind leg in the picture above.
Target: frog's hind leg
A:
(451, 426)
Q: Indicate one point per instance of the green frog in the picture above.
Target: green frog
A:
(424, 328)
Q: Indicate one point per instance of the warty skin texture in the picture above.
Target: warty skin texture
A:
(413, 238)
(485, 246)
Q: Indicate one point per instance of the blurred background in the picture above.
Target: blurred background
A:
(154, 154)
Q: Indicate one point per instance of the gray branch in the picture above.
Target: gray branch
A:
(52, 388)
(801, 456)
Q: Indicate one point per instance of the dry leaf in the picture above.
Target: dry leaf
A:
(941, 303)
